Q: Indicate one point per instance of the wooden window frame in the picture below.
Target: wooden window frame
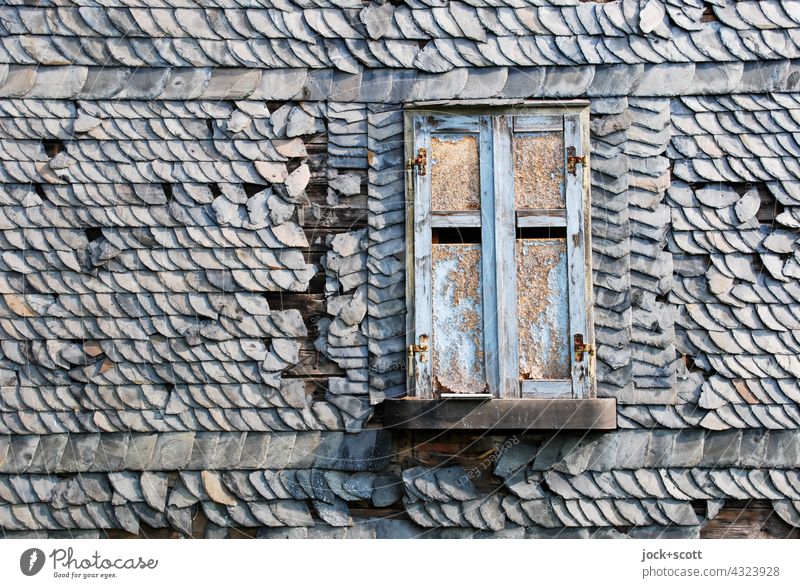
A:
(491, 123)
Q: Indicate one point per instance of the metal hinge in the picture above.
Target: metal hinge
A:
(420, 162)
(581, 347)
(573, 159)
(422, 348)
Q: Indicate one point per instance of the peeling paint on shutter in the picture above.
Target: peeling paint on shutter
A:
(500, 268)
(458, 356)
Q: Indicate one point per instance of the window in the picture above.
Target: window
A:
(498, 288)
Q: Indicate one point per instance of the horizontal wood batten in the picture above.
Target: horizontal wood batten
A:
(542, 218)
(455, 218)
(550, 414)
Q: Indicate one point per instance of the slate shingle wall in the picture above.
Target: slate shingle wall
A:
(201, 279)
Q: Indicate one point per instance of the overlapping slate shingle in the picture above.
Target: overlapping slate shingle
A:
(272, 498)
(175, 177)
(460, 35)
(611, 260)
(386, 253)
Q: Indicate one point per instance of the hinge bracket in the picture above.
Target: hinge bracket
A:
(573, 159)
(420, 162)
(581, 348)
(421, 348)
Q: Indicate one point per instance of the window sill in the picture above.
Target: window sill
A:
(529, 414)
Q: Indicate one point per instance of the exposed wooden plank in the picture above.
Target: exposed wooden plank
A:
(505, 268)
(576, 256)
(322, 218)
(442, 219)
(518, 414)
(312, 306)
(543, 217)
(312, 364)
(753, 519)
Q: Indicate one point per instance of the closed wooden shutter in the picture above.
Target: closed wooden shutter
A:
(499, 283)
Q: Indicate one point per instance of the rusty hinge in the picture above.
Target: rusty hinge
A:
(422, 348)
(581, 347)
(573, 159)
(421, 162)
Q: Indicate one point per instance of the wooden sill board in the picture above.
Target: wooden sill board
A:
(540, 414)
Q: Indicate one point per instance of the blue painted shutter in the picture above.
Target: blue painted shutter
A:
(502, 311)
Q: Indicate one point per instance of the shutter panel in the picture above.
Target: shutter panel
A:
(550, 255)
(540, 255)
(451, 262)
(500, 279)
